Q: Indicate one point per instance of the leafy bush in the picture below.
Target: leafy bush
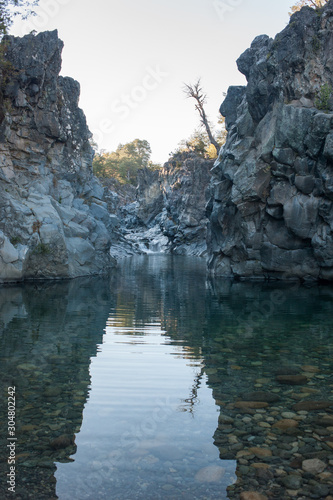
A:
(322, 100)
(41, 249)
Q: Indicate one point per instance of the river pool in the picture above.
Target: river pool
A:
(160, 383)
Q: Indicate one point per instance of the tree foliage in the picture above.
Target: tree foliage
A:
(124, 163)
(9, 9)
(317, 4)
(195, 91)
(200, 143)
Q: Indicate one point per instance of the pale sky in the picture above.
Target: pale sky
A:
(132, 57)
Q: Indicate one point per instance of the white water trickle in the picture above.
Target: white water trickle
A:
(150, 241)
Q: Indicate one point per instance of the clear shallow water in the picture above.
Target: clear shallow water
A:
(160, 383)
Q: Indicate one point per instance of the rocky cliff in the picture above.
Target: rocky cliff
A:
(271, 198)
(175, 198)
(53, 221)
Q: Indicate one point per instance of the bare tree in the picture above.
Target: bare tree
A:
(197, 93)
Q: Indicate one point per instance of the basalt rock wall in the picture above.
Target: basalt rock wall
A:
(53, 220)
(175, 198)
(271, 197)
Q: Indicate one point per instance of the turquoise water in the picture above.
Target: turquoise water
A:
(160, 383)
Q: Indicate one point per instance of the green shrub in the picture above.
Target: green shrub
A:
(41, 249)
(322, 100)
(15, 240)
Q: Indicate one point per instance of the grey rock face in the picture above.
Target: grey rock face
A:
(175, 198)
(53, 222)
(271, 194)
(149, 196)
(184, 185)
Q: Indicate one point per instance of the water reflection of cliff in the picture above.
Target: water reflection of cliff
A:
(246, 334)
(267, 351)
(48, 333)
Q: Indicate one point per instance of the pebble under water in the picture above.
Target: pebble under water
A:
(161, 383)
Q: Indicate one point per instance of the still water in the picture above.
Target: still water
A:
(159, 383)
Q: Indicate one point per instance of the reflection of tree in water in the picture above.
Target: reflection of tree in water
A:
(189, 403)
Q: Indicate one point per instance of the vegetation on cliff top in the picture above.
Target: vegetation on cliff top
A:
(124, 163)
(317, 4)
(11, 8)
(199, 142)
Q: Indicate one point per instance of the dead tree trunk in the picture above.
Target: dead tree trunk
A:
(197, 93)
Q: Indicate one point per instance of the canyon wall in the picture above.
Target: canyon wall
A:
(53, 220)
(271, 197)
(174, 198)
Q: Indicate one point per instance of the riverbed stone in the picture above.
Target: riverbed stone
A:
(210, 474)
(292, 379)
(63, 441)
(292, 481)
(267, 397)
(326, 420)
(288, 415)
(313, 466)
(252, 495)
(312, 405)
(310, 368)
(260, 452)
(250, 404)
(285, 424)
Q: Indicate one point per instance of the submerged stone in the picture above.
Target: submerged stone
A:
(251, 404)
(62, 441)
(261, 452)
(285, 424)
(266, 397)
(252, 495)
(292, 379)
(210, 474)
(312, 405)
(313, 465)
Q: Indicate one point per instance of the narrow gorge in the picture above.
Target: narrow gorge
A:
(264, 210)
(158, 372)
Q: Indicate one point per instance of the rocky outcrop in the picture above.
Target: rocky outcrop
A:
(149, 195)
(175, 198)
(271, 198)
(53, 220)
(185, 179)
